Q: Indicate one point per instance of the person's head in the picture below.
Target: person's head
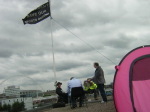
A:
(96, 64)
(59, 84)
(85, 83)
(71, 78)
(90, 81)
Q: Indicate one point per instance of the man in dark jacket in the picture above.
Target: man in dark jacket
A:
(63, 97)
(100, 80)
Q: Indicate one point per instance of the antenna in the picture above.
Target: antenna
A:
(54, 70)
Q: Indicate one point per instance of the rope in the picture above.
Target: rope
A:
(84, 42)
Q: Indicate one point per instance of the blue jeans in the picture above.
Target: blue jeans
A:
(102, 91)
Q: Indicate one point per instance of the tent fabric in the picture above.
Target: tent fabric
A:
(132, 81)
(141, 92)
(140, 83)
(141, 67)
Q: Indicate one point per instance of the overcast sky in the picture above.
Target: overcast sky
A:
(84, 31)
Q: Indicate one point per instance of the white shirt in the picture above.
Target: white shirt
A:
(73, 83)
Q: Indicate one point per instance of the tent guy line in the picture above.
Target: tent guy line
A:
(84, 42)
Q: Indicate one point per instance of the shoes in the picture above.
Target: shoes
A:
(80, 105)
(103, 101)
(73, 107)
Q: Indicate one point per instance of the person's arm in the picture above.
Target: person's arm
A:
(81, 84)
(94, 86)
(85, 88)
(68, 88)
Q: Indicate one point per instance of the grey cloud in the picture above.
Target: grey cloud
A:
(70, 64)
(88, 75)
(122, 42)
(5, 53)
(28, 71)
(73, 49)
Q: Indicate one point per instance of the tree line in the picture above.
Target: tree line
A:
(16, 107)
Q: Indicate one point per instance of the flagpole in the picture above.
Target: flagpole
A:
(54, 70)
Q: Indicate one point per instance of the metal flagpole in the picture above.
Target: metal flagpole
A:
(54, 70)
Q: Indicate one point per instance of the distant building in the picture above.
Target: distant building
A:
(31, 93)
(27, 101)
(49, 93)
(2, 96)
(13, 91)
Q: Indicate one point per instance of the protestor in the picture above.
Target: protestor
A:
(63, 97)
(73, 83)
(86, 85)
(100, 80)
(90, 87)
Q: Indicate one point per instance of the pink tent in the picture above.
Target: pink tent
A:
(132, 81)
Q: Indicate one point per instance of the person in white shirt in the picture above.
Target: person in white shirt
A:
(72, 83)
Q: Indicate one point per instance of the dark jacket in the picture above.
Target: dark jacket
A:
(99, 76)
(59, 91)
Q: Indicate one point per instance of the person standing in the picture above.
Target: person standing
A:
(100, 80)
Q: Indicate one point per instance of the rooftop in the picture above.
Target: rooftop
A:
(93, 106)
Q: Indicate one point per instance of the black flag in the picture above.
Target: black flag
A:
(37, 15)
